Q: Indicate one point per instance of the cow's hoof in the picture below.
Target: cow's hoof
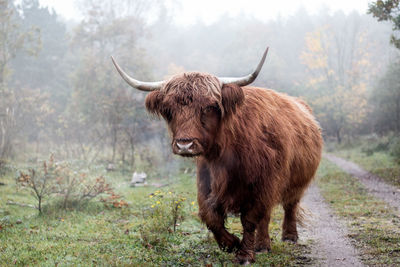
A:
(244, 257)
(234, 244)
(290, 237)
(262, 248)
(230, 243)
(245, 263)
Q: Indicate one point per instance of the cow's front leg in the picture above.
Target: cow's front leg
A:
(245, 254)
(212, 214)
(263, 242)
(226, 241)
(215, 221)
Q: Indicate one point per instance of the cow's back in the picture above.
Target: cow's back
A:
(279, 139)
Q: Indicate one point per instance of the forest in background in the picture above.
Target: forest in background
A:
(59, 92)
(73, 133)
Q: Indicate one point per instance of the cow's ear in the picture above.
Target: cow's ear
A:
(153, 102)
(232, 97)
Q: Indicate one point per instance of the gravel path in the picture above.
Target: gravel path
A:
(331, 246)
(374, 184)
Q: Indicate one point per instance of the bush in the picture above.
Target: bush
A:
(389, 144)
(61, 182)
(40, 182)
(375, 144)
(4, 222)
(5, 167)
(395, 148)
(2, 166)
(161, 217)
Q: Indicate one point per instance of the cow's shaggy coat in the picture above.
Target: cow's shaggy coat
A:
(255, 148)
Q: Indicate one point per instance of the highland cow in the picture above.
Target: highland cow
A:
(254, 147)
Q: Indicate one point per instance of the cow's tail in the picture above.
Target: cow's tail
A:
(303, 216)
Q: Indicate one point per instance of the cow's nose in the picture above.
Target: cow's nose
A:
(184, 145)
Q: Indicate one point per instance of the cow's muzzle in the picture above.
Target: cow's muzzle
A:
(186, 147)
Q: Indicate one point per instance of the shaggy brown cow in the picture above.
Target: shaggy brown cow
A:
(254, 147)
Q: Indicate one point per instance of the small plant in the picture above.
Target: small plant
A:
(69, 187)
(114, 201)
(40, 182)
(76, 188)
(371, 147)
(161, 218)
(4, 223)
(177, 210)
(3, 166)
(395, 148)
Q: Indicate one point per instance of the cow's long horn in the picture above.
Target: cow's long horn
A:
(143, 86)
(243, 81)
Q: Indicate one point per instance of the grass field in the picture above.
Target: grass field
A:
(140, 234)
(379, 162)
(143, 232)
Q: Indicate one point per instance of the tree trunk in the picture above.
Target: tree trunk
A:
(40, 204)
(398, 115)
(123, 156)
(338, 137)
(132, 143)
(114, 143)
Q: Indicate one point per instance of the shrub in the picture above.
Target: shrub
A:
(69, 187)
(161, 217)
(5, 167)
(40, 183)
(75, 188)
(395, 148)
(2, 166)
(375, 144)
(5, 222)
(114, 201)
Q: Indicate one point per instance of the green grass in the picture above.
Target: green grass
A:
(97, 235)
(373, 227)
(380, 163)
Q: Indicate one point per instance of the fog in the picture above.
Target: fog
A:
(189, 12)
(60, 93)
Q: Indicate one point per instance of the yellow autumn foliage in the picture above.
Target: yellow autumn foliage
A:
(336, 73)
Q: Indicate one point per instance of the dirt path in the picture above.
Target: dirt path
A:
(331, 247)
(374, 184)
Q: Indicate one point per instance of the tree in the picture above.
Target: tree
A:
(388, 10)
(386, 95)
(337, 59)
(99, 97)
(46, 70)
(13, 40)
(386, 100)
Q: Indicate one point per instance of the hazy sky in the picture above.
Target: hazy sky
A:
(208, 10)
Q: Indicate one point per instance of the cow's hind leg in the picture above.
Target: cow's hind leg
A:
(263, 241)
(289, 227)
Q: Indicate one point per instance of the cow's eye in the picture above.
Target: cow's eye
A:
(210, 116)
(167, 114)
(210, 109)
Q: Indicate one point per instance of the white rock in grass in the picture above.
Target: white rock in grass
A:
(138, 179)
